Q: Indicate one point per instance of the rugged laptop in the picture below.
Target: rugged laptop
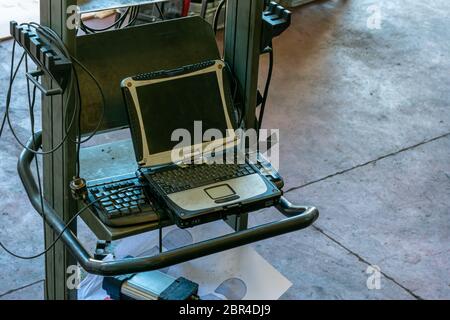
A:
(166, 106)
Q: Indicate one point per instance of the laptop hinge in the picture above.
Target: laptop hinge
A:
(193, 158)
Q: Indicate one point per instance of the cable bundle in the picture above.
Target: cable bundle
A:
(131, 14)
(73, 88)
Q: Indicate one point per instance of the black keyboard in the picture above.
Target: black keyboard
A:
(122, 201)
(179, 179)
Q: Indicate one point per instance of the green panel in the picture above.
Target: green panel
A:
(114, 55)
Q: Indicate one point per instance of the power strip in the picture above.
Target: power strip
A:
(47, 56)
(276, 19)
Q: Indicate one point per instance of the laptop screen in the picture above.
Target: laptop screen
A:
(175, 104)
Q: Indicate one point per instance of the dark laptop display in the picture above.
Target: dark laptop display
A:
(200, 191)
(166, 108)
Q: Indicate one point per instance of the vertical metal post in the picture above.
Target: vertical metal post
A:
(242, 39)
(204, 9)
(59, 167)
(242, 52)
(242, 48)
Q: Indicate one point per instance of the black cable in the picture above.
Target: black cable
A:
(160, 233)
(78, 144)
(12, 77)
(7, 116)
(60, 144)
(217, 15)
(235, 93)
(67, 226)
(136, 15)
(100, 90)
(266, 90)
(119, 21)
(118, 26)
(131, 13)
(53, 36)
(131, 20)
(78, 104)
(161, 14)
(31, 104)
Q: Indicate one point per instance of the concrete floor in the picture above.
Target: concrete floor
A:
(365, 136)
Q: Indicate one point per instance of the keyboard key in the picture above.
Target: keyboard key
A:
(180, 179)
(124, 211)
(145, 207)
(114, 213)
(134, 209)
(118, 200)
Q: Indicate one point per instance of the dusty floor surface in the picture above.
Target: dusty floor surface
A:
(364, 115)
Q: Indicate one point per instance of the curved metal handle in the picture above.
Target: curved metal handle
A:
(290, 210)
(300, 218)
(47, 92)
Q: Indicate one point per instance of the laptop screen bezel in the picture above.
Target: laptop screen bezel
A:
(164, 158)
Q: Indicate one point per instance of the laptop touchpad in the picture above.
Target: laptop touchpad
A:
(222, 193)
(219, 192)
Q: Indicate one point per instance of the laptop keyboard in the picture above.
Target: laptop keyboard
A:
(122, 203)
(185, 178)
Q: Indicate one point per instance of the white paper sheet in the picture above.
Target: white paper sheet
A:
(236, 274)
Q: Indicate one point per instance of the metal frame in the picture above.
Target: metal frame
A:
(297, 218)
(242, 51)
(59, 167)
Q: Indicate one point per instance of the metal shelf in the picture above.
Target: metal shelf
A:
(99, 5)
(297, 218)
(104, 232)
(119, 156)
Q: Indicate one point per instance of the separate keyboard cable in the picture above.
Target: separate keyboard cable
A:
(67, 225)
